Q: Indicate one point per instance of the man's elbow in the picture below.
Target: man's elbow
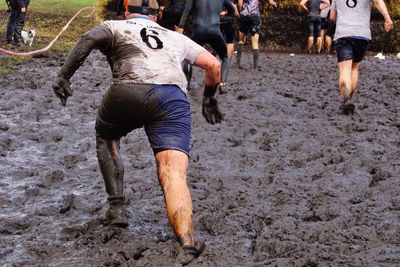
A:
(214, 71)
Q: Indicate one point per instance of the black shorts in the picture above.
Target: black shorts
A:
(324, 24)
(350, 48)
(214, 39)
(163, 110)
(314, 26)
(250, 24)
(331, 28)
(227, 26)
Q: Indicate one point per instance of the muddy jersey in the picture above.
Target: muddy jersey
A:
(353, 18)
(141, 51)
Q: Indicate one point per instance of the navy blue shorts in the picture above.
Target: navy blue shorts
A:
(350, 48)
(163, 110)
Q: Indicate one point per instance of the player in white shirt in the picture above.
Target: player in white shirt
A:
(148, 90)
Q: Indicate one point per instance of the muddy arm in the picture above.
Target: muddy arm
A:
(186, 12)
(97, 38)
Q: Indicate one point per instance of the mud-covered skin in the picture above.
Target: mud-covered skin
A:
(97, 38)
(290, 182)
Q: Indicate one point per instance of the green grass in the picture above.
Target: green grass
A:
(48, 17)
(8, 62)
(55, 6)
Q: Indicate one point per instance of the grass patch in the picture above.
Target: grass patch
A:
(7, 62)
(55, 6)
(48, 17)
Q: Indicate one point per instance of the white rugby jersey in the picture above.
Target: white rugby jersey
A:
(142, 51)
(353, 18)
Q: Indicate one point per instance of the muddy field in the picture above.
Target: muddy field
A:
(285, 180)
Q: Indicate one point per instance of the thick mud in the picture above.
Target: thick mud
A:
(285, 180)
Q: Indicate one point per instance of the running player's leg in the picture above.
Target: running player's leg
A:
(218, 43)
(112, 170)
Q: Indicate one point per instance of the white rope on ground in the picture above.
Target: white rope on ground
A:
(30, 53)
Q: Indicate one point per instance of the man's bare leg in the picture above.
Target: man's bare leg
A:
(345, 85)
(355, 70)
(230, 48)
(172, 167)
(319, 45)
(112, 169)
(328, 43)
(310, 44)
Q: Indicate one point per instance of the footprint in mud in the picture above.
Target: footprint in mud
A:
(70, 161)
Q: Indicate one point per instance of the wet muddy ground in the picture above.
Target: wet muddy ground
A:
(285, 180)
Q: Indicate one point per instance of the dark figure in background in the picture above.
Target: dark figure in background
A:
(119, 7)
(250, 24)
(228, 30)
(169, 17)
(312, 7)
(148, 90)
(16, 21)
(206, 29)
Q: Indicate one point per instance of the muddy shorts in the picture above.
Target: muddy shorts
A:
(314, 26)
(350, 48)
(250, 24)
(163, 110)
(227, 26)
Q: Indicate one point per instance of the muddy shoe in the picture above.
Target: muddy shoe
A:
(190, 253)
(118, 217)
(348, 107)
(116, 213)
(222, 89)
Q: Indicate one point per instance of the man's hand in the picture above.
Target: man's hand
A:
(210, 109)
(23, 9)
(388, 25)
(178, 29)
(62, 89)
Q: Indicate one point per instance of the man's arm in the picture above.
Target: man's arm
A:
(381, 6)
(303, 5)
(185, 15)
(327, 4)
(212, 67)
(333, 12)
(97, 38)
(240, 4)
(272, 2)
